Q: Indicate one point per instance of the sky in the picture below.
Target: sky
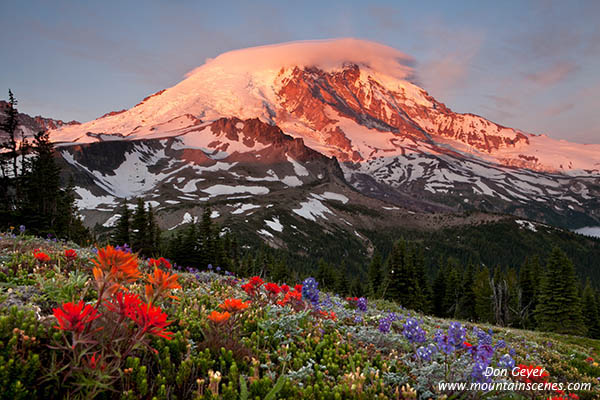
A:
(531, 65)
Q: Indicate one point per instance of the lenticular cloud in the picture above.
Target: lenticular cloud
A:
(325, 54)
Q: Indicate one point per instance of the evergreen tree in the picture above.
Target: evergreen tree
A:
(139, 227)
(123, 230)
(152, 233)
(403, 286)
(9, 125)
(453, 288)
(45, 207)
(590, 311)
(439, 291)
(559, 309)
(466, 304)
(483, 296)
(375, 275)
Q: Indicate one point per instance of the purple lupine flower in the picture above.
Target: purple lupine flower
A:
(22, 228)
(500, 344)
(425, 352)
(512, 352)
(443, 343)
(456, 334)
(393, 316)
(483, 337)
(478, 372)
(210, 267)
(385, 325)
(218, 269)
(506, 362)
(124, 248)
(310, 291)
(358, 319)
(485, 352)
(413, 331)
(361, 304)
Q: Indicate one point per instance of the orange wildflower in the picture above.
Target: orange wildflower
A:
(234, 305)
(161, 282)
(115, 266)
(218, 317)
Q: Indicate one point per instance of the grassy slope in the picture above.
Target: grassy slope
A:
(322, 354)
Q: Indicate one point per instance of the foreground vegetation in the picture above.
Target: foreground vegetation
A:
(101, 323)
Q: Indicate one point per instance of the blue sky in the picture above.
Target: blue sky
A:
(532, 65)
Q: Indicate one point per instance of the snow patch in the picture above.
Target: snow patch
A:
(312, 209)
(274, 224)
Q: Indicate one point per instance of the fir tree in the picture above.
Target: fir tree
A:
(139, 227)
(10, 125)
(466, 304)
(590, 311)
(375, 275)
(403, 286)
(559, 308)
(483, 296)
(123, 230)
(45, 207)
(439, 291)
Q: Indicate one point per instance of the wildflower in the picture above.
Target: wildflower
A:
(589, 360)
(151, 320)
(124, 304)
(256, 281)
(478, 372)
(70, 254)
(294, 295)
(218, 317)
(500, 344)
(161, 282)
(234, 305)
(467, 344)
(21, 228)
(112, 265)
(456, 333)
(310, 291)
(272, 288)
(152, 262)
(249, 289)
(94, 362)
(385, 325)
(506, 362)
(361, 304)
(298, 288)
(413, 331)
(125, 248)
(425, 352)
(75, 317)
(284, 288)
(41, 256)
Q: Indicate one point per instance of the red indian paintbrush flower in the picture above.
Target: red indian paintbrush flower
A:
(160, 261)
(161, 282)
(234, 305)
(75, 317)
(115, 266)
(256, 281)
(124, 304)
(249, 289)
(272, 288)
(41, 256)
(284, 288)
(151, 320)
(70, 254)
(218, 317)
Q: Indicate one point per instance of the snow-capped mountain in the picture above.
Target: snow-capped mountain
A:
(353, 100)
(32, 125)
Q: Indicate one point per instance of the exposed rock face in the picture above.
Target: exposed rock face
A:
(32, 125)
